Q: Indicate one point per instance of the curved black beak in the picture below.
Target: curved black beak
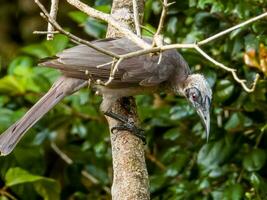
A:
(204, 113)
(205, 118)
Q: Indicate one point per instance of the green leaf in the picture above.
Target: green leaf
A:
(213, 154)
(78, 16)
(237, 121)
(172, 25)
(19, 62)
(95, 29)
(156, 182)
(46, 187)
(37, 50)
(203, 3)
(11, 85)
(150, 32)
(192, 3)
(255, 160)
(103, 8)
(181, 111)
(259, 184)
(58, 44)
(217, 7)
(172, 134)
(251, 42)
(175, 167)
(224, 90)
(15, 176)
(233, 192)
(156, 7)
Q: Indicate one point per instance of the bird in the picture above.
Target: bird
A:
(81, 66)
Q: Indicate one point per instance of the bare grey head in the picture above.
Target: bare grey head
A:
(198, 92)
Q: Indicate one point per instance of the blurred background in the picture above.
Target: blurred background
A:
(181, 164)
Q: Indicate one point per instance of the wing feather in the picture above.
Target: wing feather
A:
(142, 70)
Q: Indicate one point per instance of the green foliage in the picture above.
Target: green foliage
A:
(181, 164)
(46, 187)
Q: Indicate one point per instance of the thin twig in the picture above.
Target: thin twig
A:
(106, 64)
(129, 34)
(53, 15)
(3, 192)
(161, 21)
(69, 161)
(110, 20)
(232, 29)
(136, 18)
(233, 71)
(45, 32)
(113, 70)
(71, 36)
(153, 159)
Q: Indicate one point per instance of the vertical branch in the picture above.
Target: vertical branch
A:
(130, 177)
(136, 18)
(53, 14)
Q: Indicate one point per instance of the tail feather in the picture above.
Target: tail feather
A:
(62, 87)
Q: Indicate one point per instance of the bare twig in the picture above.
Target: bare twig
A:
(69, 161)
(53, 15)
(3, 192)
(153, 159)
(232, 28)
(233, 71)
(106, 64)
(113, 70)
(71, 36)
(45, 32)
(136, 18)
(110, 20)
(161, 21)
(146, 49)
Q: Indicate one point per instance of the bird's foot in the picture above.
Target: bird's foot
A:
(127, 125)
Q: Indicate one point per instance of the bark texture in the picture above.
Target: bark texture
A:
(130, 177)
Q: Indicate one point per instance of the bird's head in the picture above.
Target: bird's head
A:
(198, 92)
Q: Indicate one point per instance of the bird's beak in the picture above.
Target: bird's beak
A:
(204, 114)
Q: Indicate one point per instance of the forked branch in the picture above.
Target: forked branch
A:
(147, 47)
(94, 13)
(53, 14)
(74, 38)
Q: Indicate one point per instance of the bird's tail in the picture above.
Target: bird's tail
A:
(62, 87)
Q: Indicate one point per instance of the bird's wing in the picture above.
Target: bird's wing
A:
(81, 62)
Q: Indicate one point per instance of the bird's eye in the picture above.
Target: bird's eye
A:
(194, 96)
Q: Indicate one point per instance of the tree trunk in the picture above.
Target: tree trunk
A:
(130, 177)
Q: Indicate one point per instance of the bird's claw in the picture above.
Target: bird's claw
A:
(127, 125)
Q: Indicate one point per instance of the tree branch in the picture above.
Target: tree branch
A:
(146, 47)
(163, 15)
(110, 20)
(74, 38)
(249, 21)
(233, 71)
(136, 18)
(130, 176)
(53, 15)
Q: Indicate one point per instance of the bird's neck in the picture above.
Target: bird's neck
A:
(178, 84)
